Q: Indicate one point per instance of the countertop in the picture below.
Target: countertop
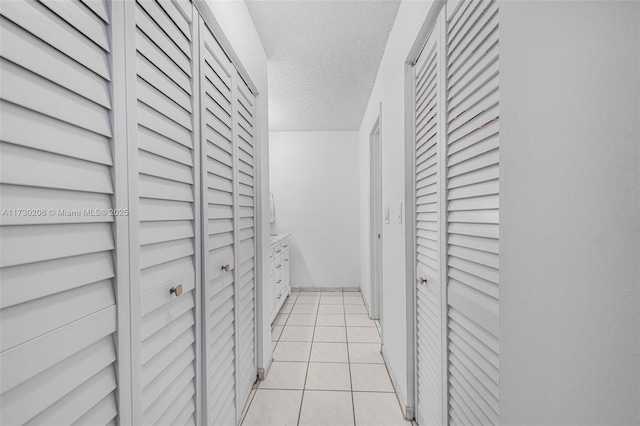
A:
(275, 239)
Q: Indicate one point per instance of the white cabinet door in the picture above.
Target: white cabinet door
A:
(218, 165)
(58, 305)
(473, 211)
(163, 142)
(428, 178)
(245, 276)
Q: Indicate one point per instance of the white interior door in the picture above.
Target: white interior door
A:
(428, 179)
(58, 306)
(164, 197)
(220, 225)
(473, 211)
(245, 276)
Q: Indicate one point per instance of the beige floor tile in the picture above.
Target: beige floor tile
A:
(301, 308)
(310, 293)
(286, 308)
(281, 319)
(297, 333)
(355, 309)
(285, 375)
(292, 351)
(330, 320)
(365, 353)
(328, 376)
(303, 299)
(363, 335)
(377, 409)
(359, 320)
(371, 378)
(301, 319)
(331, 309)
(353, 301)
(276, 331)
(331, 294)
(331, 300)
(329, 352)
(274, 407)
(330, 334)
(322, 408)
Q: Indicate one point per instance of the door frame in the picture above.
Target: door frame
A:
(433, 16)
(375, 216)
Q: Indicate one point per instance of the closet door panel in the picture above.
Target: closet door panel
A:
(219, 211)
(473, 212)
(58, 305)
(428, 178)
(166, 224)
(245, 122)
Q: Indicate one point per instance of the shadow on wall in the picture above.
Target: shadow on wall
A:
(302, 273)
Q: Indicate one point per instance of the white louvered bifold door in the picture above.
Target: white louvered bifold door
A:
(58, 305)
(428, 235)
(164, 186)
(218, 159)
(245, 130)
(473, 231)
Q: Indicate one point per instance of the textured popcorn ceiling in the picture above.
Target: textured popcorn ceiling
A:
(323, 59)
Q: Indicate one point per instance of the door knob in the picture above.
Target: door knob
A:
(177, 290)
(226, 268)
(423, 280)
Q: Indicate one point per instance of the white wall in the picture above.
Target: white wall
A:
(569, 213)
(389, 89)
(234, 21)
(314, 179)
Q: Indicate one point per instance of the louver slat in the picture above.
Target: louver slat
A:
(473, 212)
(58, 305)
(166, 195)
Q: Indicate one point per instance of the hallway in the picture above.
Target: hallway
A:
(327, 367)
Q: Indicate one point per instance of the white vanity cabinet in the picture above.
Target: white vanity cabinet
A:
(279, 271)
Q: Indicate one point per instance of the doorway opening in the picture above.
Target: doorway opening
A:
(375, 209)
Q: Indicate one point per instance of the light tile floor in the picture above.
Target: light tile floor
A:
(327, 367)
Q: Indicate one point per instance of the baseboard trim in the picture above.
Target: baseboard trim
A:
(338, 288)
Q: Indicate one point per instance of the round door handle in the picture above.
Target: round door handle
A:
(423, 280)
(226, 268)
(177, 290)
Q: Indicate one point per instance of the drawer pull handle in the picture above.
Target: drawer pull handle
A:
(279, 281)
(279, 266)
(226, 267)
(278, 251)
(423, 280)
(177, 290)
(286, 245)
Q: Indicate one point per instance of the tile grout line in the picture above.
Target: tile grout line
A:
(258, 384)
(353, 403)
(306, 376)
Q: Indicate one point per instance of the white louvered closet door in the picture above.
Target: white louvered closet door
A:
(473, 218)
(427, 74)
(218, 165)
(245, 124)
(58, 305)
(165, 188)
